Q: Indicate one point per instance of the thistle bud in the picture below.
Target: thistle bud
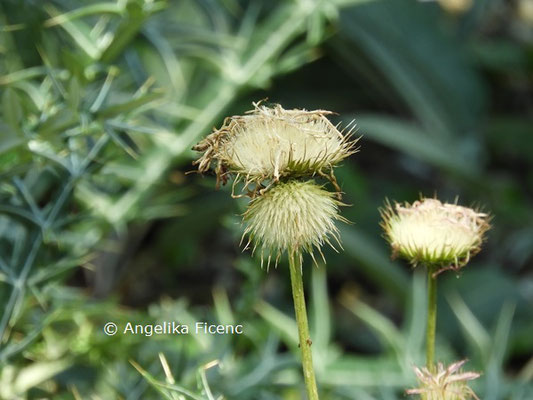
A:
(434, 233)
(271, 143)
(444, 384)
(292, 216)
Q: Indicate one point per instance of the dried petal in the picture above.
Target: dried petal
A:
(271, 143)
(444, 383)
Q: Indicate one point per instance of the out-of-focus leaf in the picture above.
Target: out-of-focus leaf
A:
(415, 324)
(425, 68)
(79, 31)
(364, 372)
(222, 306)
(283, 324)
(128, 106)
(160, 387)
(390, 336)
(98, 8)
(171, 66)
(320, 301)
(498, 349)
(123, 140)
(9, 139)
(126, 31)
(409, 138)
(511, 137)
(104, 90)
(295, 58)
(475, 332)
(64, 119)
(376, 265)
(11, 108)
(74, 93)
(23, 74)
(500, 55)
(37, 373)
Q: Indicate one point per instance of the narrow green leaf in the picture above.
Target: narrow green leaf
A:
(160, 386)
(19, 212)
(79, 31)
(281, 322)
(128, 28)
(98, 8)
(295, 58)
(390, 336)
(23, 74)
(58, 123)
(74, 93)
(12, 109)
(222, 306)
(171, 65)
(28, 198)
(421, 64)
(162, 211)
(34, 93)
(104, 90)
(372, 260)
(320, 308)
(9, 139)
(364, 372)
(44, 149)
(410, 139)
(497, 351)
(416, 313)
(473, 329)
(37, 373)
(123, 140)
(501, 334)
(152, 381)
(114, 110)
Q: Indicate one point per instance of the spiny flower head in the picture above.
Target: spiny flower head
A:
(434, 233)
(292, 216)
(444, 384)
(272, 143)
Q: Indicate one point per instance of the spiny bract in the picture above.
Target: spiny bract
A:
(292, 216)
(444, 384)
(271, 143)
(434, 233)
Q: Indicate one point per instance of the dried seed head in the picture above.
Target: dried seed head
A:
(271, 143)
(292, 216)
(444, 384)
(434, 233)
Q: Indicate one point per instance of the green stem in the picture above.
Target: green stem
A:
(303, 328)
(432, 318)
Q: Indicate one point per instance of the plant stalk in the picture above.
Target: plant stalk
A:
(432, 318)
(303, 327)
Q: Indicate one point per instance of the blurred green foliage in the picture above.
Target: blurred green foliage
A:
(100, 105)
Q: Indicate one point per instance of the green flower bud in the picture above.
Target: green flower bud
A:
(292, 216)
(271, 143)
(444, 384)
(434, 233)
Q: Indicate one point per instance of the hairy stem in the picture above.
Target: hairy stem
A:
(432, 318)
(303, 327)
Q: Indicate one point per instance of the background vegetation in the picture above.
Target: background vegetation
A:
(100, 105)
